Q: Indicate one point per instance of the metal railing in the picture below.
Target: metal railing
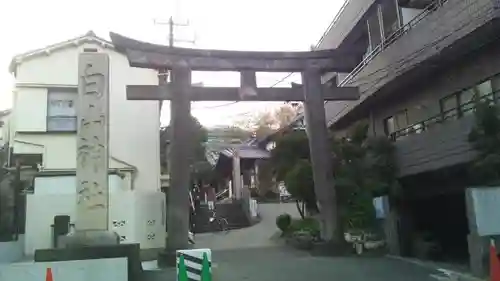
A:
(450, 114)
(220, 195)
(393, 37)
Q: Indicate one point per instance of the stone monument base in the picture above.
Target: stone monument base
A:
(85, 238)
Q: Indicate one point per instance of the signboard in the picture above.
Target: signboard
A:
(486, 209)
(378, 204)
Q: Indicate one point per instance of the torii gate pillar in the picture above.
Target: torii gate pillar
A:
(319, 150)
(179, 166)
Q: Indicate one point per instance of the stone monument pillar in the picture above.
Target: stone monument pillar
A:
(92, 202)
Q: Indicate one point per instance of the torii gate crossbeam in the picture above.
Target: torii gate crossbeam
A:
(147, 55)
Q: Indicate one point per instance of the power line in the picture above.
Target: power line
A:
(235, 102)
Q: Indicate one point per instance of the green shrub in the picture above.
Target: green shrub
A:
(283, 222)
(309, 225)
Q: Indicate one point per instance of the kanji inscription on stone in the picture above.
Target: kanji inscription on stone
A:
(92, 142)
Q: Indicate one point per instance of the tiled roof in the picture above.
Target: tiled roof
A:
(87, 37)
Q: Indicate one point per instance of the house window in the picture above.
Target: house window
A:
(396, 123)
(449, 107)
(484, 89)
(61, 110)
(479, 92)
(467, 98)
(390, 18)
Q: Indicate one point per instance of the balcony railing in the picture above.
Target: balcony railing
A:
(392, 38)
(444, 116)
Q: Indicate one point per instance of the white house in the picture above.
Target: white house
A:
(43, 130)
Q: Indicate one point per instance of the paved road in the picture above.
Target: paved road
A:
(275, 264)
(252, 255)
(285, 264)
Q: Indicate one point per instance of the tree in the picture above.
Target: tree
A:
(199, 136)
(290, 148)
(485, 139)
(363, 167)
(263, 125)
(229, 134)
(290, 159)
(266, 123)
(300, 183)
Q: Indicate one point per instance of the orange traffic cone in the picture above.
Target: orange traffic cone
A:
(494, 263)
(48, 275)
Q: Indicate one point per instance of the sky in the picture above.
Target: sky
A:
(257, 25)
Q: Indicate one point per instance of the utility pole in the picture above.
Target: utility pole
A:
(163, 73)
(171, 31)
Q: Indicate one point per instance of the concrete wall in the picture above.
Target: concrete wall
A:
(81, 270)
(12, 251)
(134, 125)
(438, 30)
(441, 146)
(137, 217)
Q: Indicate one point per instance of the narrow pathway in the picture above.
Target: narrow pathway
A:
(262, 234)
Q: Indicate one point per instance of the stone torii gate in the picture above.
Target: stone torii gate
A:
(180, 92)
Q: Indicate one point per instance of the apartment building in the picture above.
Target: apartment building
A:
(424, 62)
